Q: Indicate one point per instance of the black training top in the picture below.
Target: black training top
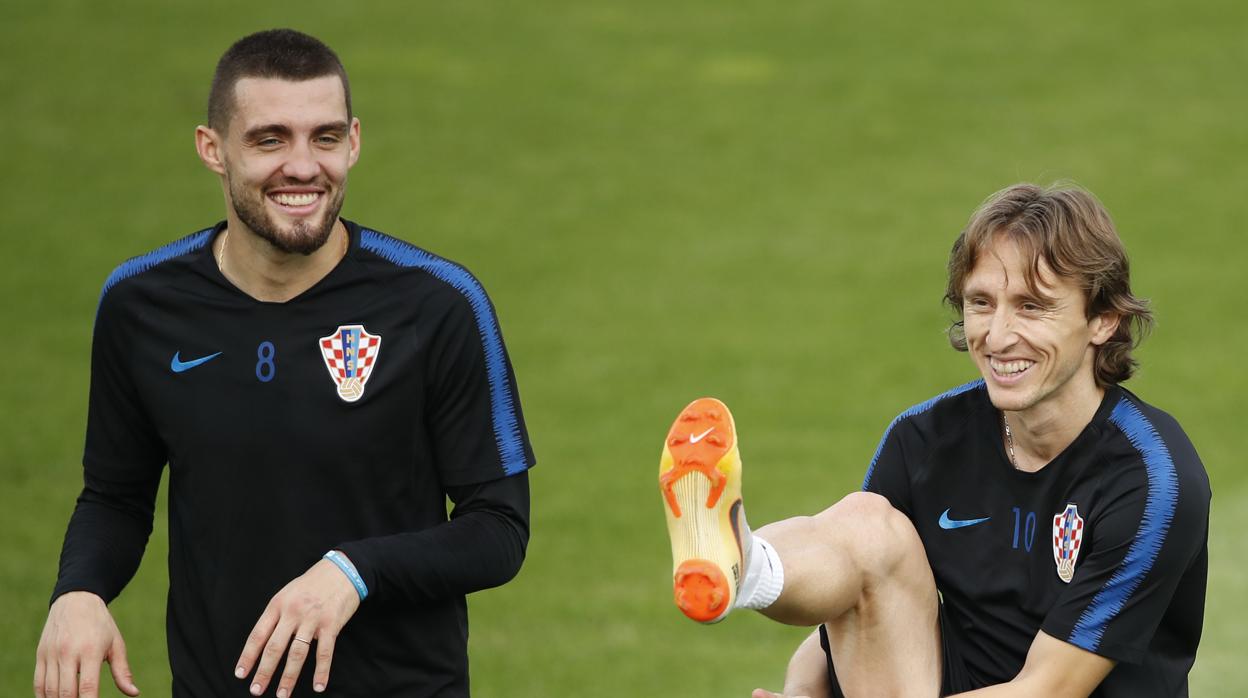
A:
(343, 418)
(1105, 547)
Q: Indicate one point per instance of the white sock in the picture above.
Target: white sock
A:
(764, 575)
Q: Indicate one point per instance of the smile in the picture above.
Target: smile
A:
(1010, 370)
(295, 199)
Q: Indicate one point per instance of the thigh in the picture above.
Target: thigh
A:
(954, 677)
(889, 642)
(853, 556)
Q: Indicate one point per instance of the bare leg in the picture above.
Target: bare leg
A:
(859, 567)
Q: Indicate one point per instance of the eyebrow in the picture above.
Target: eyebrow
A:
(257, 132)
(1038, 295)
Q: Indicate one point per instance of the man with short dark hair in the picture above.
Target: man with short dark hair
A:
(318, 390)
(1040, 531)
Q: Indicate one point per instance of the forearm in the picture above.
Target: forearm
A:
(1032, 686)
(1053, 668)
(482, 546)
(1018, 688)
(105, 539)
(807, 674)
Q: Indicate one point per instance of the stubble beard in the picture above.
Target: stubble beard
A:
(1056, 386)
(302, 238)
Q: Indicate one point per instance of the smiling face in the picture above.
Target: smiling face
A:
(284, 159)
(1034, 346)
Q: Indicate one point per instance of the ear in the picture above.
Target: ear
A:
(1103, 327)
(210, 146)
(354, 138)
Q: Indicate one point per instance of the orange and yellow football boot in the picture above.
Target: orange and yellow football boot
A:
(700, 480)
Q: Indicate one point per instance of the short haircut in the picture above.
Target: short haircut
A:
(274, 53)
(1068, 228)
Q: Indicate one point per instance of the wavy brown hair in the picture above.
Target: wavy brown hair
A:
(1070, 230)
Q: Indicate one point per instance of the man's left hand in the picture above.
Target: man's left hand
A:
(312, 607)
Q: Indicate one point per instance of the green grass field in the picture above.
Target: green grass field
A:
(747, 199)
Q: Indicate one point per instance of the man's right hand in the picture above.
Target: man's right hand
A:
(80, 633)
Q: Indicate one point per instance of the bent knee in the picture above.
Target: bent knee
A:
(870, 512)
(881, 539)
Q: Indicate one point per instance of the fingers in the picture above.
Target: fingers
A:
(255, 643)
(45, 676)
(78, 635)
(89, 680)
(295, 658)
(71, 677)
(67, 677)
(317, 604)
(764, 693)
(270, 656)
(39, 669)
(324, 655)
(51, 679)
(120, 668)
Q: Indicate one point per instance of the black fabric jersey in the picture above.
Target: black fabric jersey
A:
(341, 419)
(1105, 547)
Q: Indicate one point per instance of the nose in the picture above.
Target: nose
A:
(301, 163)
(1001, 331)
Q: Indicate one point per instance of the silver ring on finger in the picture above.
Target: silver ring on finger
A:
(306, 642)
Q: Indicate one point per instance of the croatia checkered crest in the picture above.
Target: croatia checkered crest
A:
(1067, 537)
(350, 355)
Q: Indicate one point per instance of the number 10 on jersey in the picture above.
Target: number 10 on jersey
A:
(1028, 528)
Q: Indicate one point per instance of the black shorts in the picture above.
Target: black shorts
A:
(953, 676)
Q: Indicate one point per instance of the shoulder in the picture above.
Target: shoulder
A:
(1148, 451)
(1151, 431)
(1149, 525)
(938, 415)
(150, 269)
(442, 278)
(452, 296)
(404, 257)
(1152, 503)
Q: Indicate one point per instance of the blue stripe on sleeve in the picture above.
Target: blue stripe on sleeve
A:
(917, 409)
(502, 402)
(140, 264)
(1163, 494)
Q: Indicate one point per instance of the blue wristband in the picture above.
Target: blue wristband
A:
(348, 569)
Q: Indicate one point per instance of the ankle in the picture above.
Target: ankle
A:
(764, 576)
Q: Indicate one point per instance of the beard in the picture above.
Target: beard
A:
(303, 237)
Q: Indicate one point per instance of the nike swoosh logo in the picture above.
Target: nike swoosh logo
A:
(948, 523)
(694, 439)
(178, 365)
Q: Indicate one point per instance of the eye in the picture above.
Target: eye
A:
(269, 142)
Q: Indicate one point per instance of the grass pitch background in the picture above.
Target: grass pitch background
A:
(746, 199)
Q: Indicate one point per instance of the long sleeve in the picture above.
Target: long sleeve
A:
(107, 534)
(122, 466)
(481, 546)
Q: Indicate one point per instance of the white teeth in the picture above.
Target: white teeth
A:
(295, 199)
(1010, 367)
